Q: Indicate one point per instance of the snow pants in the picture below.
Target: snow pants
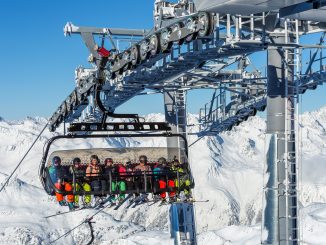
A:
(162, 185)
(98, 185)
(85, 187)
(140, 184)
(67, 187)
(119, 185)
(184, 184)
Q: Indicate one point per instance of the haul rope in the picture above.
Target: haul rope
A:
(6, 182)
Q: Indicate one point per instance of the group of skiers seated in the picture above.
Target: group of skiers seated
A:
(114, 180)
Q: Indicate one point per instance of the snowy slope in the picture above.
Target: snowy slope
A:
(228, 170)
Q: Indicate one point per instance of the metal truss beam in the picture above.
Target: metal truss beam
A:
(72, 29)
(196, 65)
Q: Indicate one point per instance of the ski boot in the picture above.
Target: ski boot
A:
(71, 206)
(63, 203)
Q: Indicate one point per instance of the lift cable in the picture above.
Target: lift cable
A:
(6, 182)
(87, 220)
(197, 140)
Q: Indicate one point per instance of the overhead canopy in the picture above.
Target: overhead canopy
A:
(242, 6)
(318, 15)
(313, 11)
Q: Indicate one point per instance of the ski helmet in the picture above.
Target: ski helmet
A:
(108, 160)
(161, 160)
(143, 158)
(175, 162)
(56, 161)
(95, 157)
(76, 160)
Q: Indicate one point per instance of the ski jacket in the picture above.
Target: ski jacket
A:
(178, 169)
(142, 168)
(122, 171)
(156, 172)
(183, 175)
(109, 169)
(79, 172)
(139, 171)
(129, 171)
(57, 174)
(93, 170)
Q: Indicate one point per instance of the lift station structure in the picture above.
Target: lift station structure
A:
(206, 44)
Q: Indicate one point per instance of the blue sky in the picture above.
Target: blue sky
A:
(37, 62)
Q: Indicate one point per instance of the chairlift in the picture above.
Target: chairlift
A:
(118, 155)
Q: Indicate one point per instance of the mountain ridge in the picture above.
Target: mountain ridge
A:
(228, 170)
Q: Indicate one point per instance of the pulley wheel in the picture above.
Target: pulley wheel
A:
(154, 44)
(191, 26)
(204, 22)
(143, 50)
(118, 63)
(177, 28)
(165, 40)
(126, 59)
(253, 112)
(134, 56)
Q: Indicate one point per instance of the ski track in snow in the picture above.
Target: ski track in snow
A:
(228, 170)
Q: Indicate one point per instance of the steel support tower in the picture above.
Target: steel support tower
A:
(182, 216)
(281, 212)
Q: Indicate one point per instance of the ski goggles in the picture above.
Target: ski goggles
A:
(56, 162)
(108, 161)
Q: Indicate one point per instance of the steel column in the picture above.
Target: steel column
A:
(280, 214)
(175, 115)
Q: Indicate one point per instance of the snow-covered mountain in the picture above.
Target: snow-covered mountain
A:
(228, 170)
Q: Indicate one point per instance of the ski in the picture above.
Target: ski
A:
(97, 206)
(103, 202)
(135, 201)
(163, 202)
(140, 200)
(200, 201)
(131, 202)
(193, 201)
(122, 202)
(155, 200)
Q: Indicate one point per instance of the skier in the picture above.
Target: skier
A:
(109, 170)
(78, 172)
(129, 172)
(183, 178)
(165, 180)
(157, 173)
(93, 173)
(58, 175)
(120, 183)
(140, 170)
(140, 180)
